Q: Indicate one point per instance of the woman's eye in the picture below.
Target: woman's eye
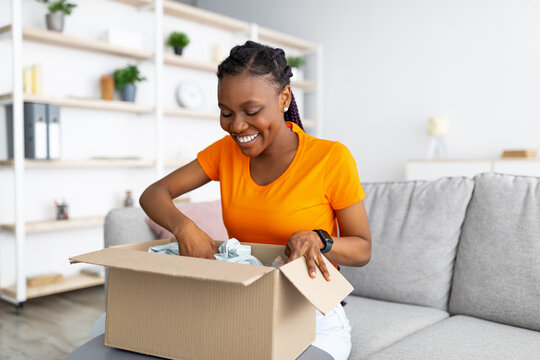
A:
(252, 113)
(225, 115)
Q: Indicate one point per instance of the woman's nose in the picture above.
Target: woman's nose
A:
(238, 125)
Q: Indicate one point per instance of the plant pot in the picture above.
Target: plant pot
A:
(55, 21)
(178, 50)
(128, 92)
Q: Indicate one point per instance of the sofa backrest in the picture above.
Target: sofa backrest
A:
(415, 227)
(497, 274)
(126, 226)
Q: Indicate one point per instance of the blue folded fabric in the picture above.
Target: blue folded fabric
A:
(169, 249)
(230, 251)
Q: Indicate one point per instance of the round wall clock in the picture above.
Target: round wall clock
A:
(189, 95)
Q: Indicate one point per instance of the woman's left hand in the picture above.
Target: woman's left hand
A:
(307, 244)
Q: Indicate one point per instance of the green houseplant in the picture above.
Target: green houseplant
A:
(296, 63)
(57, 10)
(125, 79)
(178, 40)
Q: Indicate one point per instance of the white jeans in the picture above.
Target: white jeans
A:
(333, 333)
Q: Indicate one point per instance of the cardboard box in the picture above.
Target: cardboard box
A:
(189, 308)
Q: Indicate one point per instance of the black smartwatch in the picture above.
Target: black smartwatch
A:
(326, 239)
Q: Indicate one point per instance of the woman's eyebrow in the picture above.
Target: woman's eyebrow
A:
(250, 102)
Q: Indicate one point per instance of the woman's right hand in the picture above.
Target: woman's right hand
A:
(192, 241)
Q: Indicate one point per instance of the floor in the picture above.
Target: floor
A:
(50, 327)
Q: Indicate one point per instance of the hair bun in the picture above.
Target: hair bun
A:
(234, 50)
(279, 52)
(288, 71)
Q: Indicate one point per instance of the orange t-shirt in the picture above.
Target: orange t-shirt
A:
(321, 178)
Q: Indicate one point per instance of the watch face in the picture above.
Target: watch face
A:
(189, 95)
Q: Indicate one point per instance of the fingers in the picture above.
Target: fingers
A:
(311, 265)
(322, 266)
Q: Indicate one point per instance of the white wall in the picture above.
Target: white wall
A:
(391, 64)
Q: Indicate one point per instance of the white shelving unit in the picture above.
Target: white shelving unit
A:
(19, 34)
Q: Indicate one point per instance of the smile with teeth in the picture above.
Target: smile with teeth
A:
(245, 139)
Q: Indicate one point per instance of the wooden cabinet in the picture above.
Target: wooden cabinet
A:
(434, 169)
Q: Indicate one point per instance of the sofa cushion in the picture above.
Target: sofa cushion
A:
(463, 337)
(415, 227)
(206, 215)
(497, 275)
(377, 324)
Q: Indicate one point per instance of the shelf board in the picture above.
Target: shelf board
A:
(189, 113)
(94, 104)
(176, 163)
(136, 3)
(176, 60)
(191, 13)
(83, 163)
(309, 123)
(182, 199)
(69, 283)
(304, 84)
(55, 225)
(473, 160)
(50, 37)
(284, 39)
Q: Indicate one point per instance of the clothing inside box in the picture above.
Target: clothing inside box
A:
(264, 252)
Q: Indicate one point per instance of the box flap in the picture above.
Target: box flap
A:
(324, 295)
(181, 266)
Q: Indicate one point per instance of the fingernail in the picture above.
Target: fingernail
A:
(313, 274)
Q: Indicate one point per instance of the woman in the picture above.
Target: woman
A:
(278, 184)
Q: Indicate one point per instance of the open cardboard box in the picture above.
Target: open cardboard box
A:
(189, 308)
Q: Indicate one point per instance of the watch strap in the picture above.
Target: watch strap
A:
(326, 239)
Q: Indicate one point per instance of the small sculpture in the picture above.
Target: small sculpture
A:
(128, 201)
(61, 210)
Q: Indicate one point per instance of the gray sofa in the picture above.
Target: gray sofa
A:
(454, 272)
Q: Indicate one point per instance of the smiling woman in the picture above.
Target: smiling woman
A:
(278, 184)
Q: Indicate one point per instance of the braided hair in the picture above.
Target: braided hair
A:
(260, 60)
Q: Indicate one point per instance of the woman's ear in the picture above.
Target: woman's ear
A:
(285, 98)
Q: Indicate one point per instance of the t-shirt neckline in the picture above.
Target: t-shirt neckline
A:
(247, 174)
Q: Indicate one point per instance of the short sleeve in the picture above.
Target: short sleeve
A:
(210, 157)
(341, 183)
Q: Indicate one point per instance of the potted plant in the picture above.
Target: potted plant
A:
(57, 10)
(125, 79)
(296, 63)
(178, 40)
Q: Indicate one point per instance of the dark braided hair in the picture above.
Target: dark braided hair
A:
(260, 60)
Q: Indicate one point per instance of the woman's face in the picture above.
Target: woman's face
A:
(251, 111)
